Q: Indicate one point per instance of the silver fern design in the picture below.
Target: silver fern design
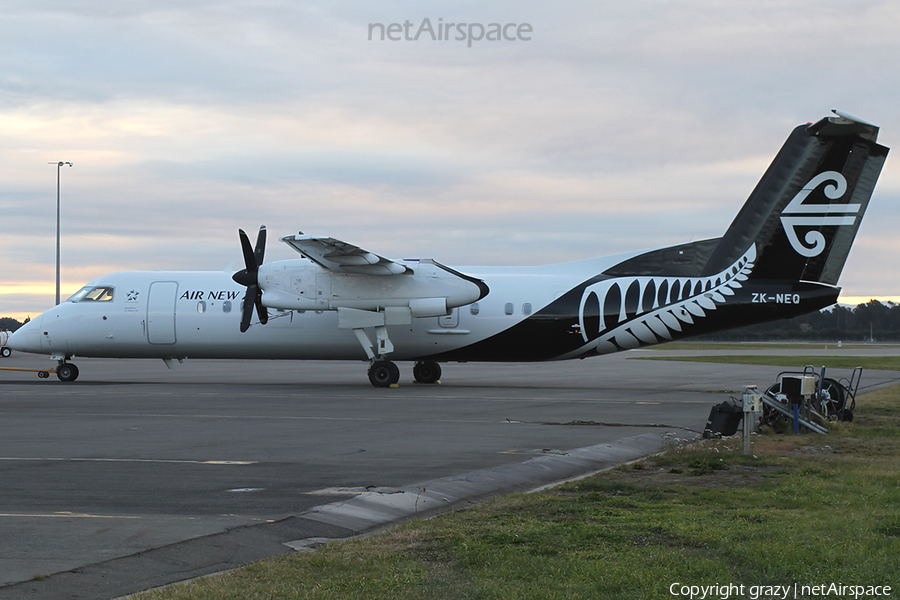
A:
(629, 312)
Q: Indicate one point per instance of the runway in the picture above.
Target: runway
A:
(135, 475)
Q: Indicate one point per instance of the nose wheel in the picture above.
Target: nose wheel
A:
(383, 373)
(67, 371)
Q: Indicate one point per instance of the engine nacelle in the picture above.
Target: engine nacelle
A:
(428, 289)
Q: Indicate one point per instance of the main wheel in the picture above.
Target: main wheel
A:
(395, 372)
(382, 372)
(427, 371)
(67, 372)
(5, 352)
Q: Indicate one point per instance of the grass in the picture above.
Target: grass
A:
(885, 363)
(767, 346)
(807, 509)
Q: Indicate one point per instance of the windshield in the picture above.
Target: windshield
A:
(90, 293)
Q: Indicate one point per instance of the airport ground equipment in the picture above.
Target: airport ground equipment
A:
(829, 399)
(752, 405)
(724, 419)
(42, 373)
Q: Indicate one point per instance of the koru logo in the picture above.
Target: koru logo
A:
(817, 215)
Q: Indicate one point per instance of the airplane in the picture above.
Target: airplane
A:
(780, 257)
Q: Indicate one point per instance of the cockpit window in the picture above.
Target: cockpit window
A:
(80, 293)
(93, 294)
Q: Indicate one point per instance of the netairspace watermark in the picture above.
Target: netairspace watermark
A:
(783, 592)
(460, 32)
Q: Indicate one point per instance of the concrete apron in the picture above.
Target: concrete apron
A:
(373, 510)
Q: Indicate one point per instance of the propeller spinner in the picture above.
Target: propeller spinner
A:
(249, 277)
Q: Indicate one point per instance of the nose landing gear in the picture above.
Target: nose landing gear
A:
(66, 371)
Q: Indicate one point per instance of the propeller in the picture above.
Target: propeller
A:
(249, 277)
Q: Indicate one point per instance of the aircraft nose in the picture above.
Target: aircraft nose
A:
(27, 338)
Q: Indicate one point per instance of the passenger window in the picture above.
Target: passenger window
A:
(201, 307)
(473, 308)
(226, 306)
(526, 309)
(508, 309)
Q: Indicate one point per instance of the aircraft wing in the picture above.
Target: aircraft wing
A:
(342, 257)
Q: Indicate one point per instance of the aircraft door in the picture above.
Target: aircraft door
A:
(161, 312)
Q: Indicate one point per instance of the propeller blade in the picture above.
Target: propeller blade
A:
(247, 275)
(261, 310)
(247, 314)
(250, 261)
(260, 250)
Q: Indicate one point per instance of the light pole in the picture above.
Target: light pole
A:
(58, 167)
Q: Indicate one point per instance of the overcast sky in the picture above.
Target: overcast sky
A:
(602, 127)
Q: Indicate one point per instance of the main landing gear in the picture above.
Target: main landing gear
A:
(382, 371)
(385, 373)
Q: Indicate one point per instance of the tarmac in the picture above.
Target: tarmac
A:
(136, 476)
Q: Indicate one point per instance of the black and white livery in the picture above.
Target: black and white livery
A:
(781, 257)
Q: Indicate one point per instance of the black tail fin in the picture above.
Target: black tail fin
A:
(807, 208)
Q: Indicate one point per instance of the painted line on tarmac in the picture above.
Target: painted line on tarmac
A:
(67, 515)
(260, 417)
(127, 460)
(209, 416)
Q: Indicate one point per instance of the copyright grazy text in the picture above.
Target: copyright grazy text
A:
(784, 592)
